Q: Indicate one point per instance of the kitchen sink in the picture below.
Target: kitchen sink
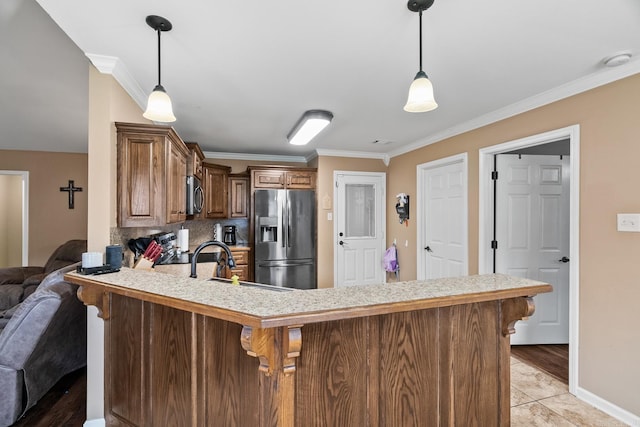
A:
(255, 285)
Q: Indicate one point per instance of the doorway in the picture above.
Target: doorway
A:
(359, 238)
(14, 215)
(486, 220)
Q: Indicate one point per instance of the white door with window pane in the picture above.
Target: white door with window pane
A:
(359, 228)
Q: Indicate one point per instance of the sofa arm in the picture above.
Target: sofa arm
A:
(26, 327)
(17, 275)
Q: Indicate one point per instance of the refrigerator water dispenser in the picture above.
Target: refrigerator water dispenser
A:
(268, 229)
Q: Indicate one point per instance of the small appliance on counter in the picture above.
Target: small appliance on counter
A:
(217, 232)
(229, 235)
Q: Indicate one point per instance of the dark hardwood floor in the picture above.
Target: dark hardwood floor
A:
(64, 405)
(550, 358)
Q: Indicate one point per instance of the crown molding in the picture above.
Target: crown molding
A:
(575, 87)
(254, 157)
(356, 154)
(114, 66)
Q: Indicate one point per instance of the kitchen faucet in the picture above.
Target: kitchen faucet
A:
(194, 259)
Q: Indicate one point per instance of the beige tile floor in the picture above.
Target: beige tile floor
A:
(539, 400)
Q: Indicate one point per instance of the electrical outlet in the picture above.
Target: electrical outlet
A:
(629, 222)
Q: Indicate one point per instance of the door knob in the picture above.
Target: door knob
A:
(564, 259)
(428, 249)
(341, 243)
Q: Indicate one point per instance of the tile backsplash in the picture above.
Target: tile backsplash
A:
(199, 231)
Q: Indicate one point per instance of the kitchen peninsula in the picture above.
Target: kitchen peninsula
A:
(181, 351)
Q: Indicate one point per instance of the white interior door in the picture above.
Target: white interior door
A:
(359, 201)
(442, 219)
(532, 231)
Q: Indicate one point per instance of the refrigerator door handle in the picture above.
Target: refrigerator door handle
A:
(282, 221)
(288, 222)
(285, 264)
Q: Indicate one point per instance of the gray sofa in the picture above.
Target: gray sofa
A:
(43, 340)
(17, 283)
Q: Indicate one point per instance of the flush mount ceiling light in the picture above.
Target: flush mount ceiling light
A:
(159, 107)
(420, 97)
(309, 125)
(617, 59)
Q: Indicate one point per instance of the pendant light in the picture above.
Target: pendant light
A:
(420, 97)
(159, 107)
(308, 126)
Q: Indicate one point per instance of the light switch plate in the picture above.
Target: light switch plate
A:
(629, 222)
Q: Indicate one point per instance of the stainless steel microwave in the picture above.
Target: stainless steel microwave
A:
(195, 195)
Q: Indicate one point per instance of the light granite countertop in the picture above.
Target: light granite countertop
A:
(267, 308)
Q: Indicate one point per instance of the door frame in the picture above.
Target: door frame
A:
(383, 213)
(25, 212)
(421, 171)
(485, 222)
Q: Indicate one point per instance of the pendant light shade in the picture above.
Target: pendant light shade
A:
(420, 97)
(310, 124)
(159, 108)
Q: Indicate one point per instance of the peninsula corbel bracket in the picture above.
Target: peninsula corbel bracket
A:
(97, 298)
(513, 310)
(276, 348)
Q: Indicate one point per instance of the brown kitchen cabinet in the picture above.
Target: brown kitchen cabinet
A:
(238, 196)
(216, 190)
(283, 177)
(241, 258)
(152, 170)
(196, 157)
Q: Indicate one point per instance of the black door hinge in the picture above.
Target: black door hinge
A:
(494, 244)
(494, 175)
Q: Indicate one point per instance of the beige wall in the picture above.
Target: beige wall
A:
(51, 222)
(609, 276)
(326, 166)
(108, 103)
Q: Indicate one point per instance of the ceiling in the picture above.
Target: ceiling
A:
(241, 74)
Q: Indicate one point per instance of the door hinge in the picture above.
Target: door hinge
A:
(494, 175)
(494, 244)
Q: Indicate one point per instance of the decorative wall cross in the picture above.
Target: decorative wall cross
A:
(71, 189)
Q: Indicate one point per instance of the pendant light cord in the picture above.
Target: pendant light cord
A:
(159, 83)
(420, 20)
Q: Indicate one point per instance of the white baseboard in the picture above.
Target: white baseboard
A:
(608, 407)
(98, 422)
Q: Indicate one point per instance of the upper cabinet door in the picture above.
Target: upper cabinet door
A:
(177, 183)
(141, 162)
(238, 196)
(196, 156)
(216, 185)
(304, 180)
(152, 168)
(268, 179)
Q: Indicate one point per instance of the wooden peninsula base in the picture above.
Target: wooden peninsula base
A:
(168, 362)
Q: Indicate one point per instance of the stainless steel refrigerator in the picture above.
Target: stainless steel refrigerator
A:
(285, 238)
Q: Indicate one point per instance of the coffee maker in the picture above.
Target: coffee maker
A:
(229, 234)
